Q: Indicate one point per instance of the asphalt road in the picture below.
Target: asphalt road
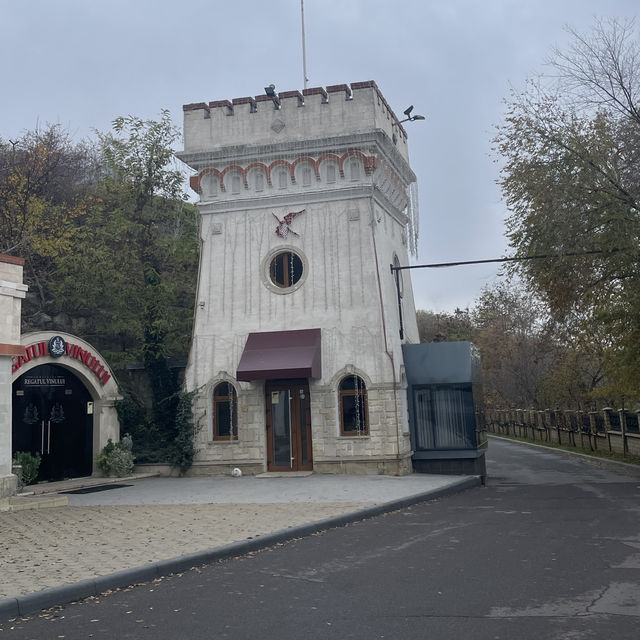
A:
(549, 549)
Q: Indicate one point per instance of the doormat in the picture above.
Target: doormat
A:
(99, 487)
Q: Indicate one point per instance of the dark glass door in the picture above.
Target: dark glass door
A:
(51, 417)
(288, 417)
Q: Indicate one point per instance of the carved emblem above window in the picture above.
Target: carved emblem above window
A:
(284, 226)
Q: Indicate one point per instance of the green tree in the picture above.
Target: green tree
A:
(516, 342)
(132, 277)
(571, 179)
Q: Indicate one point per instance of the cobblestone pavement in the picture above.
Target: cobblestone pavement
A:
(49, 547)
(52, 538)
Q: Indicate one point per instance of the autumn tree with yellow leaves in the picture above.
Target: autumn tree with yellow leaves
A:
(45, 181)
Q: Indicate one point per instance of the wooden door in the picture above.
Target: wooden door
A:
(288, 418)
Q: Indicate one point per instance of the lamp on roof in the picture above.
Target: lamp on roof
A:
(410, 118)
(271, 93)
(407, 112)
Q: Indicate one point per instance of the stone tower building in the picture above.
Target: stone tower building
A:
(296, 358)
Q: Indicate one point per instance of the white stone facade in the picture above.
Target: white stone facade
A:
(338, 156)
(12, 292)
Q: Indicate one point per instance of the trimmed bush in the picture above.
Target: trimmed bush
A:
(30, 464)
(116, 459)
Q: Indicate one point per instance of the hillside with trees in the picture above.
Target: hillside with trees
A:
(111, 254)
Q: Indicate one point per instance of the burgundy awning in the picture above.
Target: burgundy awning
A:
(273, 355)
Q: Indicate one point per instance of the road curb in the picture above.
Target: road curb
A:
(55, 596)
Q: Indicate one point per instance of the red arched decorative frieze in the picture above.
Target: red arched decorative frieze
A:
(239, 169)
(259, 165)
(370, 164)
(311, 161)
(325, 156)
(277, 163)
(195, 181)
(331, 156)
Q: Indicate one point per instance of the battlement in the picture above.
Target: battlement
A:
(314, 113)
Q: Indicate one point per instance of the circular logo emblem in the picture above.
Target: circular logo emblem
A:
(57, 346)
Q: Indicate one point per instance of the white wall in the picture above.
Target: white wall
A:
(12, 291)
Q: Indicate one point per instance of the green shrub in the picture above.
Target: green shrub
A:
(170, 440)
(30, 465)
(183, 450)
(116, 459)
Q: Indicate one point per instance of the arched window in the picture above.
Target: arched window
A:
(282, 179)
(225, 412)
(304, 174)
(352, 400)
(354, 169)
(258, 180)
(331, 171)
(209, 185)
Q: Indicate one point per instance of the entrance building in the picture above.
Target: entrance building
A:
(64, 397)
(12, 292)
(296, 360)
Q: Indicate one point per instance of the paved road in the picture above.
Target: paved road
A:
(550, 549)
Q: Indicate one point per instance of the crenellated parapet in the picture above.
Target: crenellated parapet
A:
(288, 116)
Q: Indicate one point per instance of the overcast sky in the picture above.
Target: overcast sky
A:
(81, 63)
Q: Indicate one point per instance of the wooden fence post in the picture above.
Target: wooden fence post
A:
(547, 423)
(594, 429)
(623, 430)
(607, 411)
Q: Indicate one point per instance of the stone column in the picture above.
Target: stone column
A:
(12, 291)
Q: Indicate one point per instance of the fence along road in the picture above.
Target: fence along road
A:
(605, 430)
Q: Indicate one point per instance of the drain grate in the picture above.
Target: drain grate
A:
(99, 487)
